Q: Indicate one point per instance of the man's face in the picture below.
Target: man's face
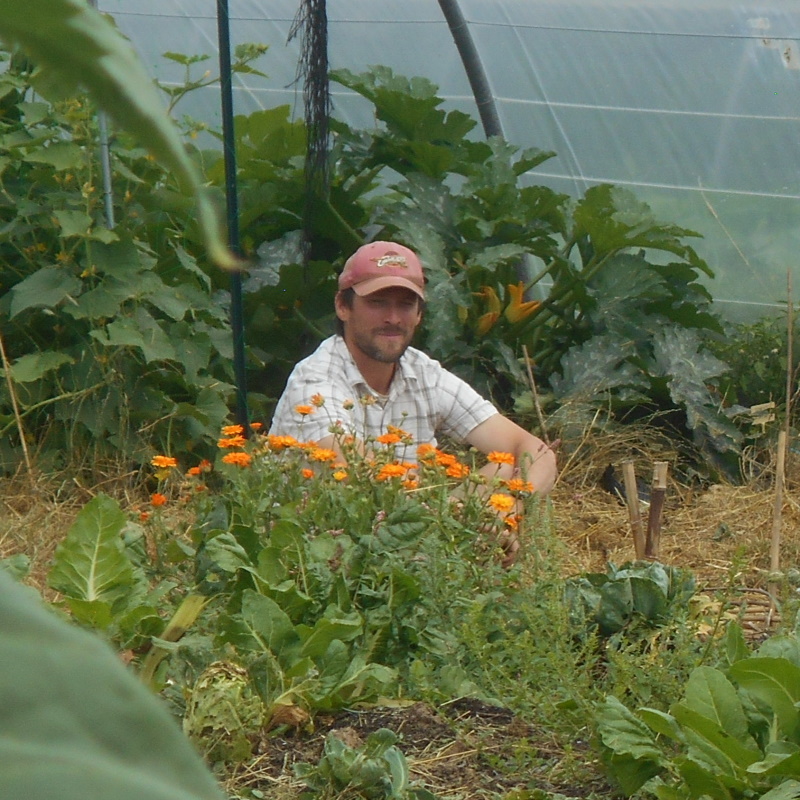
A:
(382, 324)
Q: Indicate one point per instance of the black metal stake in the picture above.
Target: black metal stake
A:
(232, 208)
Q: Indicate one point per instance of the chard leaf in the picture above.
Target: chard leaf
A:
(262, 626)
(91, 563)
(76, 723)
(788, 790)
(327, 630)
(710, 694)
(779, 763)
(631, 753)
(776, 681)
(703, 781)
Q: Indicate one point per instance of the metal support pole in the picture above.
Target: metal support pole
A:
(232, 206)
(473, 67)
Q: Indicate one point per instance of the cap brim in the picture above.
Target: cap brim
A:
(373, 285)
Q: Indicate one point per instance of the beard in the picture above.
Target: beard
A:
(370, 345)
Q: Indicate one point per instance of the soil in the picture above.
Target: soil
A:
(464, 749)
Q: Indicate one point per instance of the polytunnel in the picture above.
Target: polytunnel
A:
(691, 104)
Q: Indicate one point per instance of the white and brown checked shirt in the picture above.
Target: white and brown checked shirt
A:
(424, 399)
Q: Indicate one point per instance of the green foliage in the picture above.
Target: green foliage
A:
(75, 719)
(734, 734)
(639, 594)
(375, 771)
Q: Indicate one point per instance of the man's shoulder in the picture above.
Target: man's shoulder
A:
(328, 352)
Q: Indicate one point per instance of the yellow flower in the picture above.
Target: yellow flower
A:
(164, 461)
(502, 503)
(517, 310)
(239, 459)
(492, 300)
(498, 457)
(339, 475)
(304, 411)
(486, 322)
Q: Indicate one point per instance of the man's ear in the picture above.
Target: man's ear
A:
(340, 307)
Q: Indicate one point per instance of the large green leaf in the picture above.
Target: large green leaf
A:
(44, 288)
(33, 366)
(91, 563)
(776, 681)
(76, 724)
(79, 47)
(630, 751)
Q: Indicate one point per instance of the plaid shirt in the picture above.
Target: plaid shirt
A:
(424, 399)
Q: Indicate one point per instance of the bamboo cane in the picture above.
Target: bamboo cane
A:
(658, 493)
(634, 512)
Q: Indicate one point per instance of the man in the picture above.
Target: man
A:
(367, 377)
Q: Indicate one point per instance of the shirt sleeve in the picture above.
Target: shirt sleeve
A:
(461, 409)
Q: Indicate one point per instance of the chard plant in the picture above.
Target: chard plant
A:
(733, 734)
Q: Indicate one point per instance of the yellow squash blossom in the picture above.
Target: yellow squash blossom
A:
(517, 309)
(486, 321)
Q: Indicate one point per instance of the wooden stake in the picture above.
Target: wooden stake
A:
(535, 394)
(658, 493)
(777, 510)
(634, 512)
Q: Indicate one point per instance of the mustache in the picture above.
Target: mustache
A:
(390, 331)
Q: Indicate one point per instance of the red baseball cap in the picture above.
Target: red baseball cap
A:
(379, 265)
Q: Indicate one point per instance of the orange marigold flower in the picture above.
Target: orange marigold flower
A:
(157, 499)
(512, 521)
(164, 461)
(457, 470)
(518, 485)
(281, 442)
(404, 435)
(388, 438)
(425, 451)
(410, 483)
(239, 459)
(193, 471)
(304, 411)
(233, 441)
(256, 426)
(445, 459)
(317, 400)
(502, 503)
(339, 475)
(498, 457)
(205, 465)
(307, 473)
(233, 430)
(322, 454)
(388, 471)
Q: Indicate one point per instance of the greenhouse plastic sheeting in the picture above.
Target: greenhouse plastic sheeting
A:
(694, 106)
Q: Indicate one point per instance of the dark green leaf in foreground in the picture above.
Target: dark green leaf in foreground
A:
(76, 725)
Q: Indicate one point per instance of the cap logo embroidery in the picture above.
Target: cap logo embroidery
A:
(391, 260)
